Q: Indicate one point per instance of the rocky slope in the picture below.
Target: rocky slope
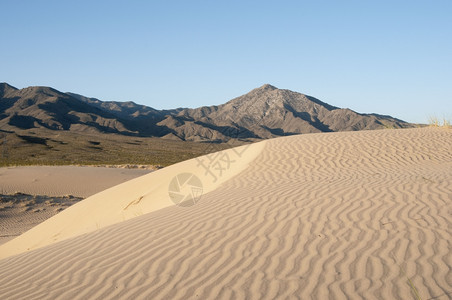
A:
(262, 113)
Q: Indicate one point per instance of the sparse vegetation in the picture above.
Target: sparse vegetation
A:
(439, 122)
(413, 288)
(47, 147)
(31, 201)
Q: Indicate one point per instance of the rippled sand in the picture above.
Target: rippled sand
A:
(352, 215)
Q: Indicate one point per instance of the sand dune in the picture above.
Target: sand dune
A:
(131, 199)
(353, 215)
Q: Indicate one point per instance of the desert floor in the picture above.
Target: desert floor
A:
(30, 195)
(350, 215)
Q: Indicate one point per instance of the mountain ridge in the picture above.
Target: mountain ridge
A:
(264, 112)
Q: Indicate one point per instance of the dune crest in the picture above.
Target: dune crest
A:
(134, 198)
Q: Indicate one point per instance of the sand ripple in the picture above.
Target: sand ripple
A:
(353, 215)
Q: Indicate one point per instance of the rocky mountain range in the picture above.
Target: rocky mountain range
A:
(264, 112)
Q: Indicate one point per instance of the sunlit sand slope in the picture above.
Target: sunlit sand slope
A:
(353, 215)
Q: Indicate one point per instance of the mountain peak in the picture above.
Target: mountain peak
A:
(268, 87)
(5, 88)
(4, 84)
(41, 89)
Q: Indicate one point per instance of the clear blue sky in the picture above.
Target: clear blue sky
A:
(390, 57)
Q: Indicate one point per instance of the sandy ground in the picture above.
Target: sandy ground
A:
(353, 215)
(63, 180)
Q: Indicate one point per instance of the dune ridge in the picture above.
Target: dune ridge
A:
(350, 215)
(132, 198)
